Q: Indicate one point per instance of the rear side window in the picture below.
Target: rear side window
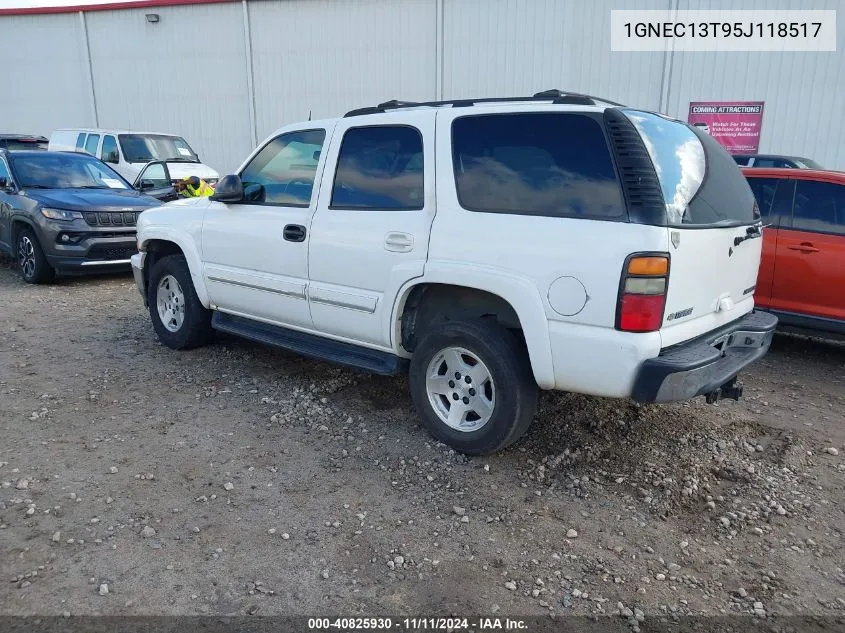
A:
(547, 164)
(701, 184)
(91, 144)
(678, 158)
(80, 142)
(380, 168)
(819, 207)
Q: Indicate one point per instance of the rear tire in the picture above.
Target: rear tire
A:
(472, 384)
(32, 264)
(179, 318)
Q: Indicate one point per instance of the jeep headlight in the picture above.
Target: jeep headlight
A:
(60, 214)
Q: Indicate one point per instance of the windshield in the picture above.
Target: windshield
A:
(142, 148)
(64, 171)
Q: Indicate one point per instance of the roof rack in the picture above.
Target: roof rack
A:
(555, 96)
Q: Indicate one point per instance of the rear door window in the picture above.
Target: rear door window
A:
(547, 164)
(380, 168)
(819, 207)
(91, 144)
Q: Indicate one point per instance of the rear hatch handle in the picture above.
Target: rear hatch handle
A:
(750, 233)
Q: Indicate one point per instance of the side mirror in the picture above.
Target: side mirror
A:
(6, 185)
(229, 189)
(144, 185)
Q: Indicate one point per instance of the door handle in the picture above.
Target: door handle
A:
(804, 247)
(294, 233)
(399, 242)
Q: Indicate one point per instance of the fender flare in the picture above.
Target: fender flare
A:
(23, 219)
(188, 247)
(519, 292)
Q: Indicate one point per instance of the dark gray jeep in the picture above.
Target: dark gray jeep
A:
(66, 212)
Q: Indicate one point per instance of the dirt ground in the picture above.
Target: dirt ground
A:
(236, 479)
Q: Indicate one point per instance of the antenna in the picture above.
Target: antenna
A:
(309, 115)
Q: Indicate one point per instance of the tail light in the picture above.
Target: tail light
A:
(642, 293)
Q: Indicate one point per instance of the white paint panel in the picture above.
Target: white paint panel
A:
(519, 47)
(328, 57)
(183, 75)
(44, 74)
(804, 92)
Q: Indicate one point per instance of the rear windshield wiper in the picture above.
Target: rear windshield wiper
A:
(750, 233)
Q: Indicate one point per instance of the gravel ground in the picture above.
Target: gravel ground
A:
(236, 479)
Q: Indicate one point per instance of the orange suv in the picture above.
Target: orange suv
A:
(802, 272)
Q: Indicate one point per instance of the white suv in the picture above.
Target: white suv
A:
(488, 246)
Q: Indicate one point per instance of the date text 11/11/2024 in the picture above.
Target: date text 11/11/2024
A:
(417, 624)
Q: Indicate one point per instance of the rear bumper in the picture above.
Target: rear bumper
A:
(701, 366)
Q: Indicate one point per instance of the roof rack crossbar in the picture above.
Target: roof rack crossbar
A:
(555, 96)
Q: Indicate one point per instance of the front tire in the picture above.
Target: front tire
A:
(472, 384)
(179, 318)
(32, 264)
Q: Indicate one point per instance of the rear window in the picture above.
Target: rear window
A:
(548, 164)
(21, 144)
(701, 184)
(779, 163)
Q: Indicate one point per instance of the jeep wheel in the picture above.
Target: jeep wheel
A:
(179, 319)
(32, 264)
(471, 383)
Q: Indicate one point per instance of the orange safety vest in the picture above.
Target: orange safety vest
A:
(204, 190)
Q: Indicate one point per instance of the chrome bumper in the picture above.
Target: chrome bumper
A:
(137, 261)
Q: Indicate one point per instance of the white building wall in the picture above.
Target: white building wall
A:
(185, 74)
(519, 47)
(43, 74)
(188, 73)
(327, 57)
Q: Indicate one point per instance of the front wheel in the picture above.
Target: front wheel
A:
(179, 318)
(32, 264)
(472, 384)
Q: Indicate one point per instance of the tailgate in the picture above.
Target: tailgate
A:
(711, 280)
(713, 228)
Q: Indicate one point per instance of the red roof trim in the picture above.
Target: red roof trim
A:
(109, 6)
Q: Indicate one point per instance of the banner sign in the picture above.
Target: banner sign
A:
(734, 124)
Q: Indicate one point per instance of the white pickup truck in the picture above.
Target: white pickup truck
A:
(486, 246)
